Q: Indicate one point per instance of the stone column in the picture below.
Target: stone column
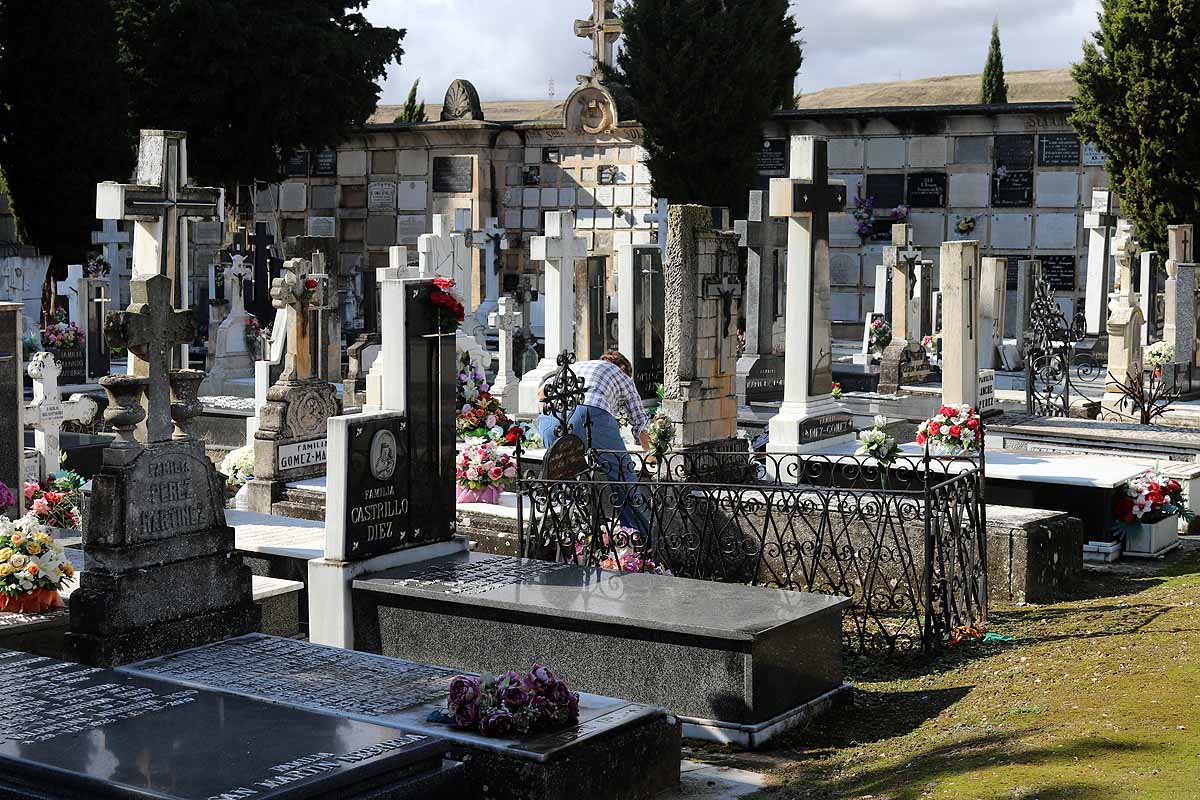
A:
(1147, 287)
(960, 323)
(993, 281)
(1101, 223)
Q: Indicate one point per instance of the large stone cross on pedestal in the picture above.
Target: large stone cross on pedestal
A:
(604, 28)
(150, 329)
(160, 202)
(491, 240)
(48, 411)
(438, 253)
(305, 292)
(508, 321)
(559, 249)
(1101, 222)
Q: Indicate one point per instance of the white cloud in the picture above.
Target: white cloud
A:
(512, 49)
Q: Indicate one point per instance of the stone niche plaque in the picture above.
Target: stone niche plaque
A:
(381, 196)
(74, 365)
(302, 455)
(378, 486)
(323, 227)
(1013, 190)
(1013, 151)
(927, 190)
(1093, 156)
(1058, 150)
(1059, 271)
(888, 190)
(453, 174)
(1056, 231)
(772, 157)
(765, 382)
(105, 734)
(325, 163)
(826, 426)
(297, 164)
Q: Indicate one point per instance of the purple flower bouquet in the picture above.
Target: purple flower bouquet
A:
(511, 704)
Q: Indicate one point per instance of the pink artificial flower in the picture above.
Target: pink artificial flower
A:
(31, 488)
(41, 507)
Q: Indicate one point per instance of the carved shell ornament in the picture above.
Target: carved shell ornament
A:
(462, 102)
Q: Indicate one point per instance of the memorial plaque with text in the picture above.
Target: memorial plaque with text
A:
(888, 191)
(1093, 156)
(325, 163)
(297, 164)
(927, 190)
(1014, 190)
(453, 174)
(1058, 150)
(1013, 151)
(765, 382)
(1011, 271)
(381, 196)
(174, 496)
(565, 459)
(826, 426)
(1059, 272)
(74, 365)
(105, 734)
(772, 157)
(378, 486)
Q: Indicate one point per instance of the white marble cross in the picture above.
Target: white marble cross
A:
(47, 413)
(71, 289)
(507, 320)
(111, 237)
(444, 253)
(386, 390)
(1101, 222)
(658, 218)
(559, 249)
(491, 240)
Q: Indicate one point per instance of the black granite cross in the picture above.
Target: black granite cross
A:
(151, 329)
(260, 306)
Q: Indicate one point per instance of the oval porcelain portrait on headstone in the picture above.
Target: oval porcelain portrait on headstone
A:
(383, 455)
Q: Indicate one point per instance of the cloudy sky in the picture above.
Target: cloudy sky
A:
(513, 49)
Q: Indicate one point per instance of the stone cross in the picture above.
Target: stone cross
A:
(386, 388)
(1124, 329)
(261, 240)
(992, 296)
(150, 329)
(604, 28)
(902, 259)
(491, 240)
(71, 288)
(508, 321)
(754, 235)
(960, 332)
(306, 293)
(658, 218)
(807, 199)
(444, 253)
(111, 237)
(236, 275)
(461, 242)
(160, 202)
(1148, 293)
(1102, 223)
(559, 248)
(47, 413)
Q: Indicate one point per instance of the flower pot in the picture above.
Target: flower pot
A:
(31, 602)
(1153, 539)
(488, 494)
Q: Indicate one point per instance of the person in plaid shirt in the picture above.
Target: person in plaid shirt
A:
(608, 390)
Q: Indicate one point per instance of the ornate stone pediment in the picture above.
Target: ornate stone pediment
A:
(593, 107)
(462, 102)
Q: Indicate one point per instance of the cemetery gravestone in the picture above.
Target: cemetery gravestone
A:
(507, 322)
(1179, 317)
(759, 372)
(47, 413)
(1125, 333)
(110, 238)
(1101, 223)
(993, 283)
(444, 253)
(904, 361)
(232, 358)
(1153, 301)
(961, 331)
(491, 242)
(641, 313)
(1029, 276)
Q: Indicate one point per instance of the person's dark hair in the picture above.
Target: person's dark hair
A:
(618, 360)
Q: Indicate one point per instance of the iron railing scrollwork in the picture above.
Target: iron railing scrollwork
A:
(907, 542)
(1054, 370)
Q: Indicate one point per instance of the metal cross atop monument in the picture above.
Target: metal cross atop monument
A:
(151, 329)
(604, 28)
(160, 202)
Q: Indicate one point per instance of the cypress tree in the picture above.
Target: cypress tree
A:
(995, 88)
(413, 111)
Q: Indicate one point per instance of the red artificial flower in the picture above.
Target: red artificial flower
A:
(1156, 497)
(1174, 487)
(973, 424)
(921, 439)
(956, 431)
(52, 497)
(1124, 509)
(935, 428)
(513, 436)
(947, 411)
(443, 283)
(310, 283)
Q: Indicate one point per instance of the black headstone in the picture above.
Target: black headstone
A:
(100, 734)
(649, 317)
(826, 426)
(765, 382)
(888, 191)
(297, 164)
(74, 365)
(1013, 151)
(453, 174)
(99, 357)
(1014, 190)
(325, 163)
(378, 487)
(1059, 272)
(772, 157)
(565, 459)
(927, 190)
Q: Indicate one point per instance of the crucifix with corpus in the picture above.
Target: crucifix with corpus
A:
(809, 413)
(48, 411)
(160, 202)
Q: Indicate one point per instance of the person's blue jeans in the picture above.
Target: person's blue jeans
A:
(618, 466)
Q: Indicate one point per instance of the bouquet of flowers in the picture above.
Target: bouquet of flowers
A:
(864, 212)
(449, 308)
(471, 381)
(252, 331)
(661, 433)
(238, 467)
(97, 267)
(927, 341)
(56, 503)
(836, 391)
(876, 443)
(881, 335)
(953, 431)
(900, 213)
(62, 335)
(483, 473)
(512, 704)
(1158, 355)
(966, 225)
(623, 556)
(7, 498)
(525, 433)
(32, 566)
(1150, 498)
(485, 419)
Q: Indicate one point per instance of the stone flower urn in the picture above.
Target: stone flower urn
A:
(124, 410)
(185, 399)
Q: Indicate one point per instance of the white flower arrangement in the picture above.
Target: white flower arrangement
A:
(238, 466)
(876, 443)
(1159, 354)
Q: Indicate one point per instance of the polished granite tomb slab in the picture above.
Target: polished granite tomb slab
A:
(94, 733)
(737, 663)
(585, 760)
